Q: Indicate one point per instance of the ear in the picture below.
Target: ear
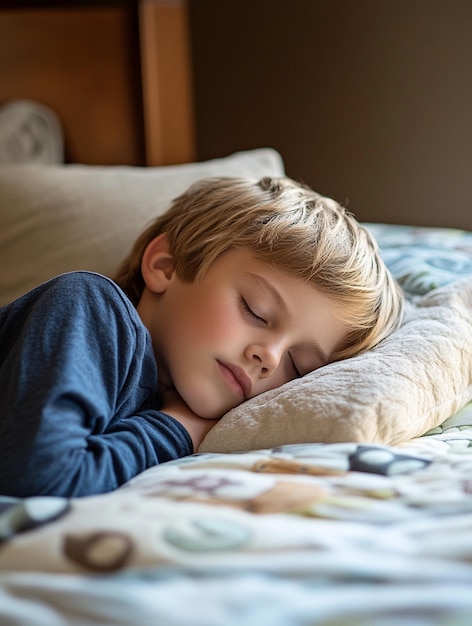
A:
(157, 265)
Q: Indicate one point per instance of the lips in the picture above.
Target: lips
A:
(237, 379)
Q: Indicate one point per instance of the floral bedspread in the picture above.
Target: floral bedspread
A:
(326, 534)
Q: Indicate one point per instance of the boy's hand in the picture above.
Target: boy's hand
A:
(196, 426)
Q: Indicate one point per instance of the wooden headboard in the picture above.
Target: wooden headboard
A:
(117, 74)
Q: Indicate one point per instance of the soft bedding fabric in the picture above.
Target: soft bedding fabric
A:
(423, 259)
(218, 511)
(301, 534)
(30, 599)
(58, 218)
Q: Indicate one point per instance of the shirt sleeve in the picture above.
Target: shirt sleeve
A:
(81, 413)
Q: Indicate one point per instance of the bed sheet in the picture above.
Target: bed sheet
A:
(327, 534)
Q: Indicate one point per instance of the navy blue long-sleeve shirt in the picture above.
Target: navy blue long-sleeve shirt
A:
(79, 402)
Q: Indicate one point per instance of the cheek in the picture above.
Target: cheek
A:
(217, 321)
(206, 318)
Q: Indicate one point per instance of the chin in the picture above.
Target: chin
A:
(211, 415)
(210, 412)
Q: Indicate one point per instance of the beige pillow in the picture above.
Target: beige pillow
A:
(56, 218)
(408, 384)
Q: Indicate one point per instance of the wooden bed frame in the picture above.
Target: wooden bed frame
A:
(118, 75)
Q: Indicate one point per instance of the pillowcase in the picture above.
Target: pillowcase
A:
(58, 218)
(411, 382)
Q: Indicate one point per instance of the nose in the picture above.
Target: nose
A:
(268, 357)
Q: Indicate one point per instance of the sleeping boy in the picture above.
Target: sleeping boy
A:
(241, 286)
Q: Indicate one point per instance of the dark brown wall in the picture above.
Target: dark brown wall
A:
(368, 101)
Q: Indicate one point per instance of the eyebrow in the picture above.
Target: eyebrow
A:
(264, 284)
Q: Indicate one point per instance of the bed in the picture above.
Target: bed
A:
(343, 497)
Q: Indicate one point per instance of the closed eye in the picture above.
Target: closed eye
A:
(247, 309)
(295, 368)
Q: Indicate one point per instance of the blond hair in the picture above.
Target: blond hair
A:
(289, 226)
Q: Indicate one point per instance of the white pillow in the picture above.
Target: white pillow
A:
(408, 384)
(58, 218)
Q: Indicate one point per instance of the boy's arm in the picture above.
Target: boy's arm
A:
(68, 425)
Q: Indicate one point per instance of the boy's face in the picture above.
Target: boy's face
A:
(241, 329)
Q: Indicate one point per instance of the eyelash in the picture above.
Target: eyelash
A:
(295, 368)
(253, 315)
(250, 312)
